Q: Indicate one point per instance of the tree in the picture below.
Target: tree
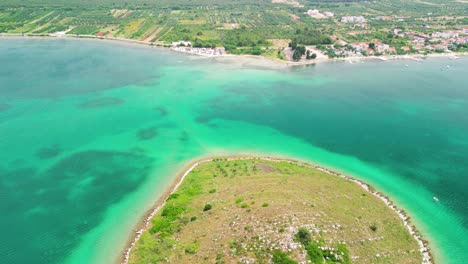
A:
(293, 45)
(297, 55)
(308, 54)
(301, 49)
(372, 45)
(313, 56)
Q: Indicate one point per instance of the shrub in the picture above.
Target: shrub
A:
(239, 200)
(265, 205)
(373, 227)
(279, 257)
(207, 207)
(191, 249)
(244, 205)
(160, 225)
(344, 252)
(314, 253)
(220, 258)
(172, 196)
(193, 218)
(212, 191)
(171, 211)
(303, 236)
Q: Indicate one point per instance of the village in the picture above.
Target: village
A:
(361, 40)
(417, 43)
(449, 41)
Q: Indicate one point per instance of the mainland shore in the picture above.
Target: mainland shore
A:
(424, 248)
(262, 60)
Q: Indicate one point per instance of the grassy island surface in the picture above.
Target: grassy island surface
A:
(266, 211)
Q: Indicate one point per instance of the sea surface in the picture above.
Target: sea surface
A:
(93, 132)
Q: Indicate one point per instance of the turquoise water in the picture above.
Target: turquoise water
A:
(92, 133)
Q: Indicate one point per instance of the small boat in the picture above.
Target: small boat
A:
(435, 199)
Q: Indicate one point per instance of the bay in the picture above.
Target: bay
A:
(93, 132)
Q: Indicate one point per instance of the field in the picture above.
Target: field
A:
(242, 26)
(240, 211)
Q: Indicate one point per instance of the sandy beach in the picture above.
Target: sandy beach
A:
(427, 257)
(243, 60)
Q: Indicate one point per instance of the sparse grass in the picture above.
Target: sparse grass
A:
(183, 233)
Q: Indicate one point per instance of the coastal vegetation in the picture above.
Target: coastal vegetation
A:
(272, 212)
(251, 27)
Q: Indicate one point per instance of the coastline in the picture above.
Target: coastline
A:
(427, 256)
(272, 61)
(233, 56)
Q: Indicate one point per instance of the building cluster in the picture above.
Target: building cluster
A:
(370, 48)
(437, 41)
(186, 47)
(353, 19)
(383, 18)
(319, 15)
(416, 43)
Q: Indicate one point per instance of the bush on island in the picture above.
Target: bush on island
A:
(207, 207)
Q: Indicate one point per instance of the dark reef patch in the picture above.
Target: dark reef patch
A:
(137, 150)
(70, 198)
(162, 110)
(102, 102)
(49, 152)
(184, 137)
(147, 133)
